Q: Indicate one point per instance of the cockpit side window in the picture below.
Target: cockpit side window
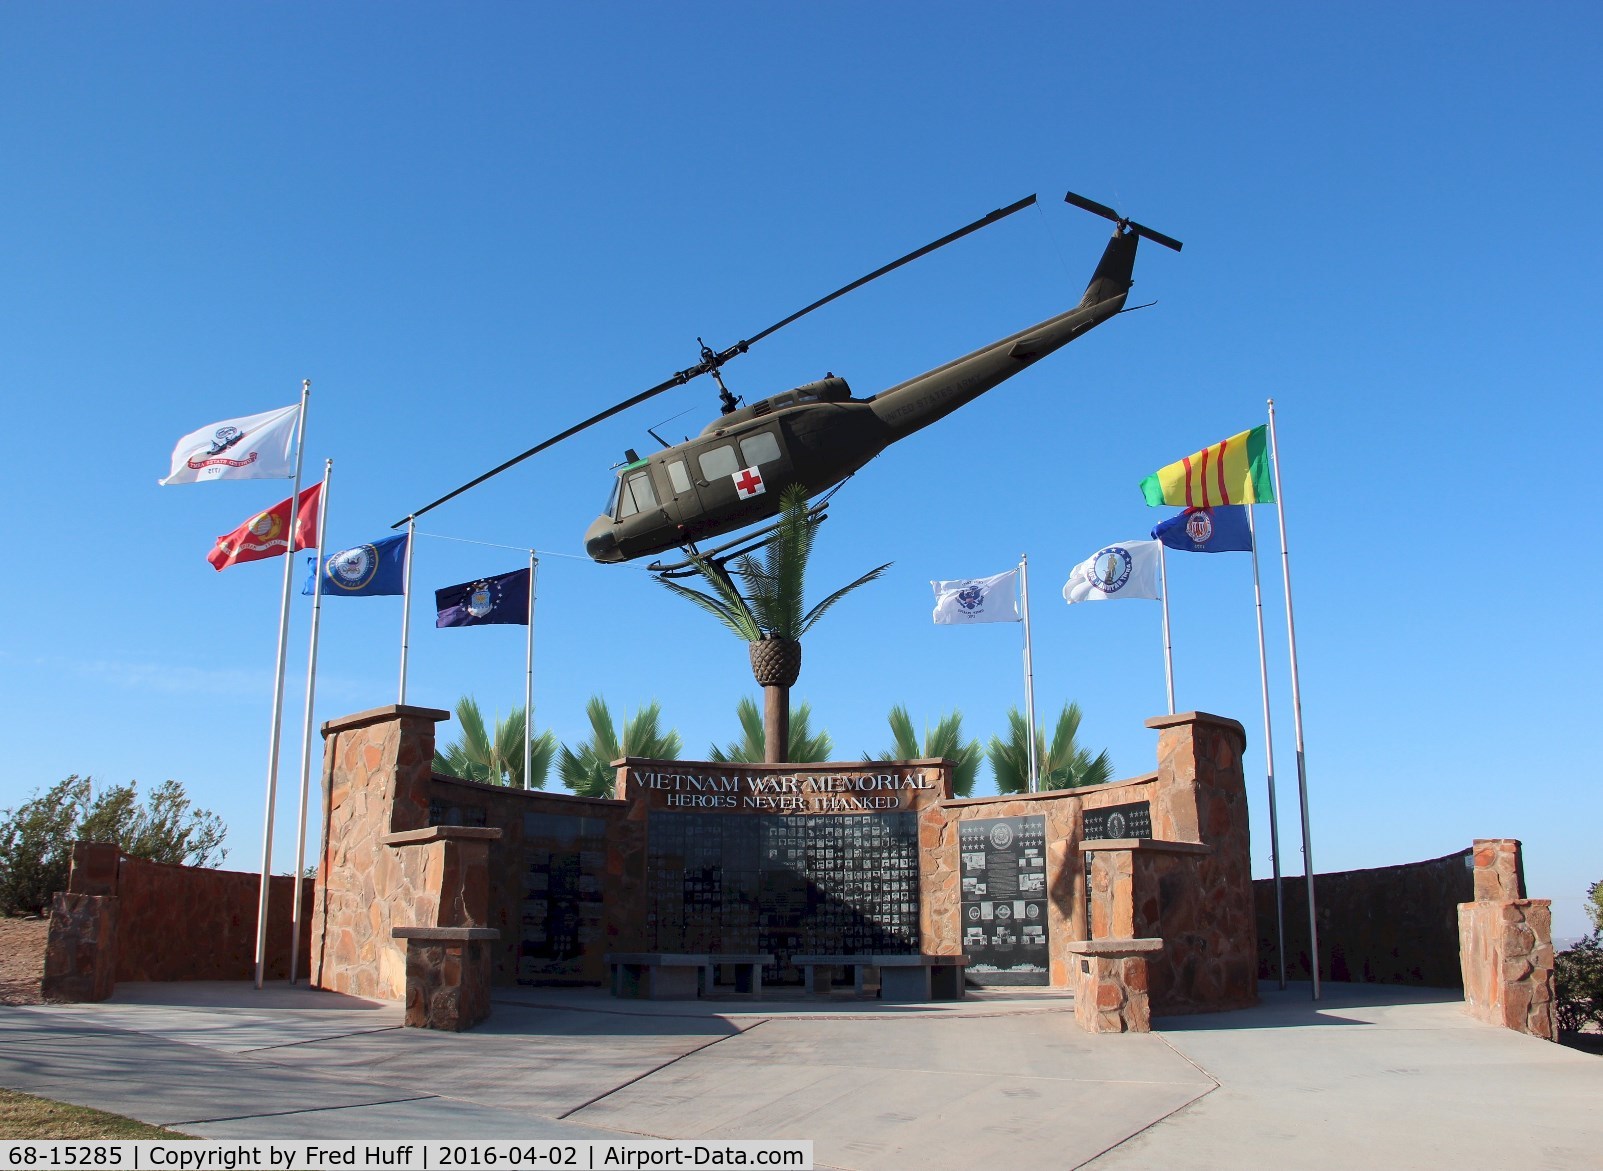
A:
(636, 494)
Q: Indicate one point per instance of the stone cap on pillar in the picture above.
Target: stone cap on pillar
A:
(444, 934)
(1148, 845)
(441, 833)
(378, 715)
(1158, 723)
(1115, 947)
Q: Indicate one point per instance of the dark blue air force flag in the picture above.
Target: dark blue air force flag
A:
(1207, 530)
(504, 598)
(363, 571)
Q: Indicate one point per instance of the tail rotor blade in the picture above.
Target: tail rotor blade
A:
(1155, 236)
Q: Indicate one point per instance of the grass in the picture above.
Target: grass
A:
(23, 1116)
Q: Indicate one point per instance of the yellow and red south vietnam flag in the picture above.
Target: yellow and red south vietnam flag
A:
(267, 533)
(1232, 471)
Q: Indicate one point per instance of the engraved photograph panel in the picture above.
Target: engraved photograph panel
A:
(1003, 902)
(564, 860)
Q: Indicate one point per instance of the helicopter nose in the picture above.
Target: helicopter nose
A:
(601, 542)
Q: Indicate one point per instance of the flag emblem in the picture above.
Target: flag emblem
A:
(266, 526)
(480, 602)
(749, 483)
(1199, 526)
(971, 598)
(352, 569)
(1112, 569)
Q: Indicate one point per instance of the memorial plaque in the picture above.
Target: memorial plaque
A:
(564, 861)
(1114, 821)
(1003, 902)
(784, 884)
(451, 813)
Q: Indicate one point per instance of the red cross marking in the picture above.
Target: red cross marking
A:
(748, 482)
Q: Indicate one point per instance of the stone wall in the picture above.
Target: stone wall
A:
(173, 922)
(1388, 925)
(1189, 886)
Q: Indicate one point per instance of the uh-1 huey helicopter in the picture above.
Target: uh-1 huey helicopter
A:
(817, 435)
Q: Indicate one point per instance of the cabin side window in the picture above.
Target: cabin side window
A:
(761, 448)
(636, 495)
(718, 462)
(678, 476)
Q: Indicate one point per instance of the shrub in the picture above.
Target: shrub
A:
(36, 837)
(1578, 974)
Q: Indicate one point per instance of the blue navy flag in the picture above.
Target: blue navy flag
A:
(490, 599)
(362, 571)
(1207, 530)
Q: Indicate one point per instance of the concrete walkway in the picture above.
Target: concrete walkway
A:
(1372, 1075)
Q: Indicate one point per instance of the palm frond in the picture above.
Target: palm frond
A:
(738, 619)
(819, 610)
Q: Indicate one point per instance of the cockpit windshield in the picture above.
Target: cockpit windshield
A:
(612, 498)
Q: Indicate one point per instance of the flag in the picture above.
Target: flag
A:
(1128, 569)
(256, 447)
(490, 599)
(266, 534)
(1207, 530)
(362, 571)
(1232, 471)
(977, 599)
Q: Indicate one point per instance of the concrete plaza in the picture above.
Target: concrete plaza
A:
(1371, 1075)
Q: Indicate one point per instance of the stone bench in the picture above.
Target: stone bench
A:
(902, 978)
(655, 975)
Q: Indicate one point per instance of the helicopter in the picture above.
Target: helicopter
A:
(732, 474)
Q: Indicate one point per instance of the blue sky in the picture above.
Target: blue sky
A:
(471, 226)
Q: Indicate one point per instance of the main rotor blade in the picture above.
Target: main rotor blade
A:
(1093, 207)
(714, 360)
(677, 380)
(985, 221)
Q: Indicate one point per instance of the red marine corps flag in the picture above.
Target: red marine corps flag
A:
(267, 533)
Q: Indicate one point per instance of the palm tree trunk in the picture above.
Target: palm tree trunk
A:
(776, 724)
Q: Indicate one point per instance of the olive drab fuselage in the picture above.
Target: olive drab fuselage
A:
(817, 435)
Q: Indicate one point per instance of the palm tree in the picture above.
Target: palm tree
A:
(497, 759)
(1065, 765)
(589, 771)
(805, 745)
(769, 615)
(945, 741)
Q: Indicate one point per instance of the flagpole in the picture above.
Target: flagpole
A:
(278, 689)
(1029, 670)
(306, 730)
(406, 599)
(528, 686)
(1296, 711)
(1168, 655)
(1269, 754)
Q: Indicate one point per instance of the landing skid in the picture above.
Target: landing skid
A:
(739, 547)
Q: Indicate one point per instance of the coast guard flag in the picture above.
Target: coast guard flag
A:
(362, 571)
(256, 447)
(977, 599)
(264, 535)
(1128, 569)
(490, 599)
(1207, 530)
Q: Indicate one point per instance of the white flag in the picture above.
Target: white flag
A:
(256, 447)
(1128, 569)
(977, 599)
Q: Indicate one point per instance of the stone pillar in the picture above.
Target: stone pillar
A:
(1505, 945)
(94, 868)
(447, 976)
(1110, 984)
(81, 955)
(382, 866)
